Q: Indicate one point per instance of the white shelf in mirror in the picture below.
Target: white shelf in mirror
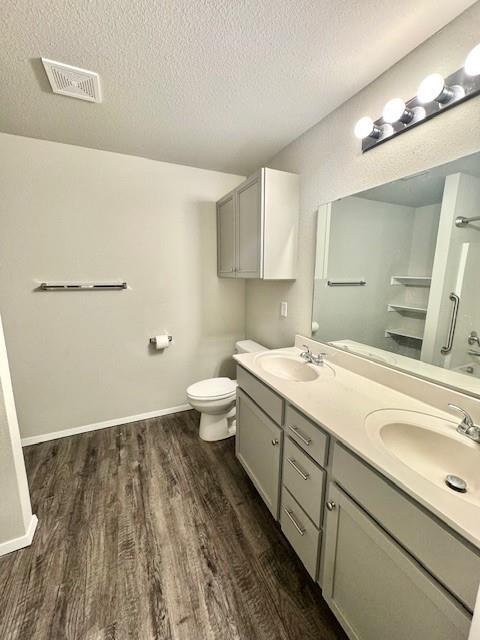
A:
(411, 281)
(407, 308)
(398, 333)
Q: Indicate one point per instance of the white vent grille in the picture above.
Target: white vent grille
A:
(72, 81)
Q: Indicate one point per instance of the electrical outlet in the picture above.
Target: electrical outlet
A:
(284, 309)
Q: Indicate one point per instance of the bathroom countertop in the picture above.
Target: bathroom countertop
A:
(340, 404)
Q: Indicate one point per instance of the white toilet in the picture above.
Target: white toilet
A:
(215, 399)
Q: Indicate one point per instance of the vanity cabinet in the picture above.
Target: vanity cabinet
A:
(375, 588)
(257, 227)
(387, 566)
(258, 446)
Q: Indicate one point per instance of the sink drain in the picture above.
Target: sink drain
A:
(456, 483)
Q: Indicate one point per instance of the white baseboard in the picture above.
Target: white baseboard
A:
(29, 440)
(23, 541)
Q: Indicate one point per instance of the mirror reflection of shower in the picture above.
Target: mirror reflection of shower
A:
(398, 268)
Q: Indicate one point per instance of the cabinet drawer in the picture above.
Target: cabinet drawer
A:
(304, 479)
(454, 562)
(267, 399)
(300, 532)
(307, 435)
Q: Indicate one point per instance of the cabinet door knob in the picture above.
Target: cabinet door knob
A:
(331, 505)
(275, 442)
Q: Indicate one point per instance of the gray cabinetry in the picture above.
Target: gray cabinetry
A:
(305, 446)
(452, 561)
(300, 532)
(304, 480)
(388, 567)
(226, 237)
(307, 435)
(258, 448)
(249, 228)
(257, 227)
(376, 590)
(267, 399)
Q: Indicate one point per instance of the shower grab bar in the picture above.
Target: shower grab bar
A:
(453, 323)
(473, 352)
(346, 283)
(461, 221)
(112, 286)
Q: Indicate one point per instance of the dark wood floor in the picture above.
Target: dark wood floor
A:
(146, 532)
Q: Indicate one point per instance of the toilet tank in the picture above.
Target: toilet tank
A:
(248, 346)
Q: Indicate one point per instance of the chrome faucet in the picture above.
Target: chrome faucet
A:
(467, 427)
(309, 356)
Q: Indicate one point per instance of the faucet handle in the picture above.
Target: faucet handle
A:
(319, 358)
(467, 418)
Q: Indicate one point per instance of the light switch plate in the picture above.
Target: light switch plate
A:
(284, 309)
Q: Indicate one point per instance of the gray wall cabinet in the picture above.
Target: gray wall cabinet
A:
(257, 227)
(226, 237)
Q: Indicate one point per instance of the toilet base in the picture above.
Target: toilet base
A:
(218, 427)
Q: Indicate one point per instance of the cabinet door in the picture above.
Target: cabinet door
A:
(226, 237)
(249, 228)
(376, 590)
(258, 447)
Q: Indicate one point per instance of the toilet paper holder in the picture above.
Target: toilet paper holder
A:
(154, 340)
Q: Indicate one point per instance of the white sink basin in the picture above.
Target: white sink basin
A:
(292, 368)
(429, 446)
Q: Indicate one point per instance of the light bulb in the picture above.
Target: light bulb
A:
(396, 111)
(365, 128)
(433, 88)
(472, 63)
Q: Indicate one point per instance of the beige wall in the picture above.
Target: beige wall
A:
(331, 165)
(76, 214)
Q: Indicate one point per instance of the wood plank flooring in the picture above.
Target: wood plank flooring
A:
(146, 532)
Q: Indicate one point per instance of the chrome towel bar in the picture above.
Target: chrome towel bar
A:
(346, 283)
(107, 286)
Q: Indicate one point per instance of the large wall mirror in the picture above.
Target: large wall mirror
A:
(397, 277)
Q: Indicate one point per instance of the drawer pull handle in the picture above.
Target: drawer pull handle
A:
(301, 530)
(331, 505)
(275, 441)
(294, 464)
(306, 441)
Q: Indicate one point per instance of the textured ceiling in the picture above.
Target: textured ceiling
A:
(220, 84)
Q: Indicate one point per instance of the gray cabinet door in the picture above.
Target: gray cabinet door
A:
(249, 228)
(226, 237)
(376, 590)
(258, 447)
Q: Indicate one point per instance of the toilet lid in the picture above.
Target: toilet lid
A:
(212, 388)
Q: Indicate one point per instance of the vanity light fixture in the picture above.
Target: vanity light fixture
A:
(472, 63)
(396, 111)
(435, 94)
(433, 88)
(365, 128)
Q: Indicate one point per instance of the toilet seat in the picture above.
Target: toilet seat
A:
(210, 388)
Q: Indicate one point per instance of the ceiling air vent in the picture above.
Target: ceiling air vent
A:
(72, 81)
